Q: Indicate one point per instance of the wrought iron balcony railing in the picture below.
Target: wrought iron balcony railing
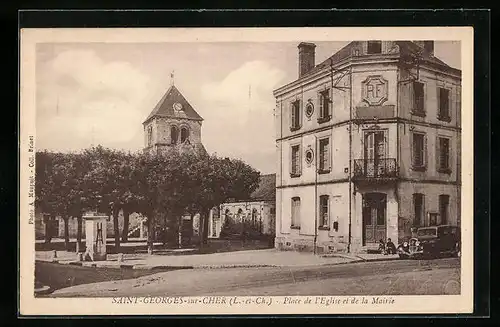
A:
(375, 168)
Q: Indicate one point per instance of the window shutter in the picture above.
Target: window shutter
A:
(425, 160)
(291, 160)
(300, 113)
(370, 146)
(328, 211)
(330, 106)
(320, 111)
(386, 145)
(411, 87)
(299, 160)
(330, 155)
(292, 115)
(412, 148)
(449, 155)
(438, 102)
(438, 153)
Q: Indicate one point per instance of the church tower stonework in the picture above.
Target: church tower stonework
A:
(173, 124)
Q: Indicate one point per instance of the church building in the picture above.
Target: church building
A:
(175, 124)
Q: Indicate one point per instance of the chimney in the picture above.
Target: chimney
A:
(306, 57)
(427, 45)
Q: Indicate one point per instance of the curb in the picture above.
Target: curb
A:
(352, 259)
(356, 258)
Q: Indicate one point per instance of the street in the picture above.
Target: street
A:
(398, 277)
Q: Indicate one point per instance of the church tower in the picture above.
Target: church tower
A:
(173, 124)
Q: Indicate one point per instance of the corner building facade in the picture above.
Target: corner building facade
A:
(368, 145)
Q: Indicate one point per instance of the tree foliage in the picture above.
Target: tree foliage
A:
(156, 186)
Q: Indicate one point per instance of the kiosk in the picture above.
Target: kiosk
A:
(95, 237)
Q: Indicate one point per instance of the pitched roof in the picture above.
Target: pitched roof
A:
(266, 189)
(165, 108)
(405, 47)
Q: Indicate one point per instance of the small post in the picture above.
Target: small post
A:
(54, 254)
(120, 257)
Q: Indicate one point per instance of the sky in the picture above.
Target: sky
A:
(100, 93)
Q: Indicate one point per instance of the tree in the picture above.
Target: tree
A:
(59, 187)
(214, 180)
(44, 185)
(154, 188)
(107, 183)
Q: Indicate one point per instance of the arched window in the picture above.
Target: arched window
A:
(184, 134)
(174, 134)
(227, 214)
(240, 214)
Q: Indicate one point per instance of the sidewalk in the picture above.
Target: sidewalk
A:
(238, 259)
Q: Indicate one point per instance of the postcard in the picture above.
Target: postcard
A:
(216, 171)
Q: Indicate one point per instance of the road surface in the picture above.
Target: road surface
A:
(398, 277)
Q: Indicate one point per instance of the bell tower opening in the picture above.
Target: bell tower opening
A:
(184, 134)
(174, 134)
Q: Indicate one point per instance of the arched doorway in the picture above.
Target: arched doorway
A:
(374, 217)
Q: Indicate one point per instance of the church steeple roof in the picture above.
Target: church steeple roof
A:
(165, 107)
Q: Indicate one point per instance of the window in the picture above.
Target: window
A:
(272, 211)
(150, 135)
(295, 115)
(295, 212)
(443, 156)
(254, 215)
(324, 155)
(174, 134)
(418, 209)
(374, 47)
(444, 104)
(418, 99)
(295, 169)
(324, 106)
(227, 214)
(419, 152)
(444, 201)
(184, 134)
(324, 213)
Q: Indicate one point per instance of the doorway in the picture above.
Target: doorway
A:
(374, 217)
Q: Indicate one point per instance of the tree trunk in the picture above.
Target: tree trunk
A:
(126, 220)
(66, 232)
(204, 222)
(116, 229)
(179, 232)
(150, 234)
(48, 220)
(79, 233)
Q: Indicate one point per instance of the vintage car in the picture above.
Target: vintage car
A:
(432, 241)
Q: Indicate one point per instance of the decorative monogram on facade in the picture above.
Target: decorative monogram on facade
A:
(375, 90)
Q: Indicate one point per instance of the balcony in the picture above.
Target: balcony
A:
(374, 170)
